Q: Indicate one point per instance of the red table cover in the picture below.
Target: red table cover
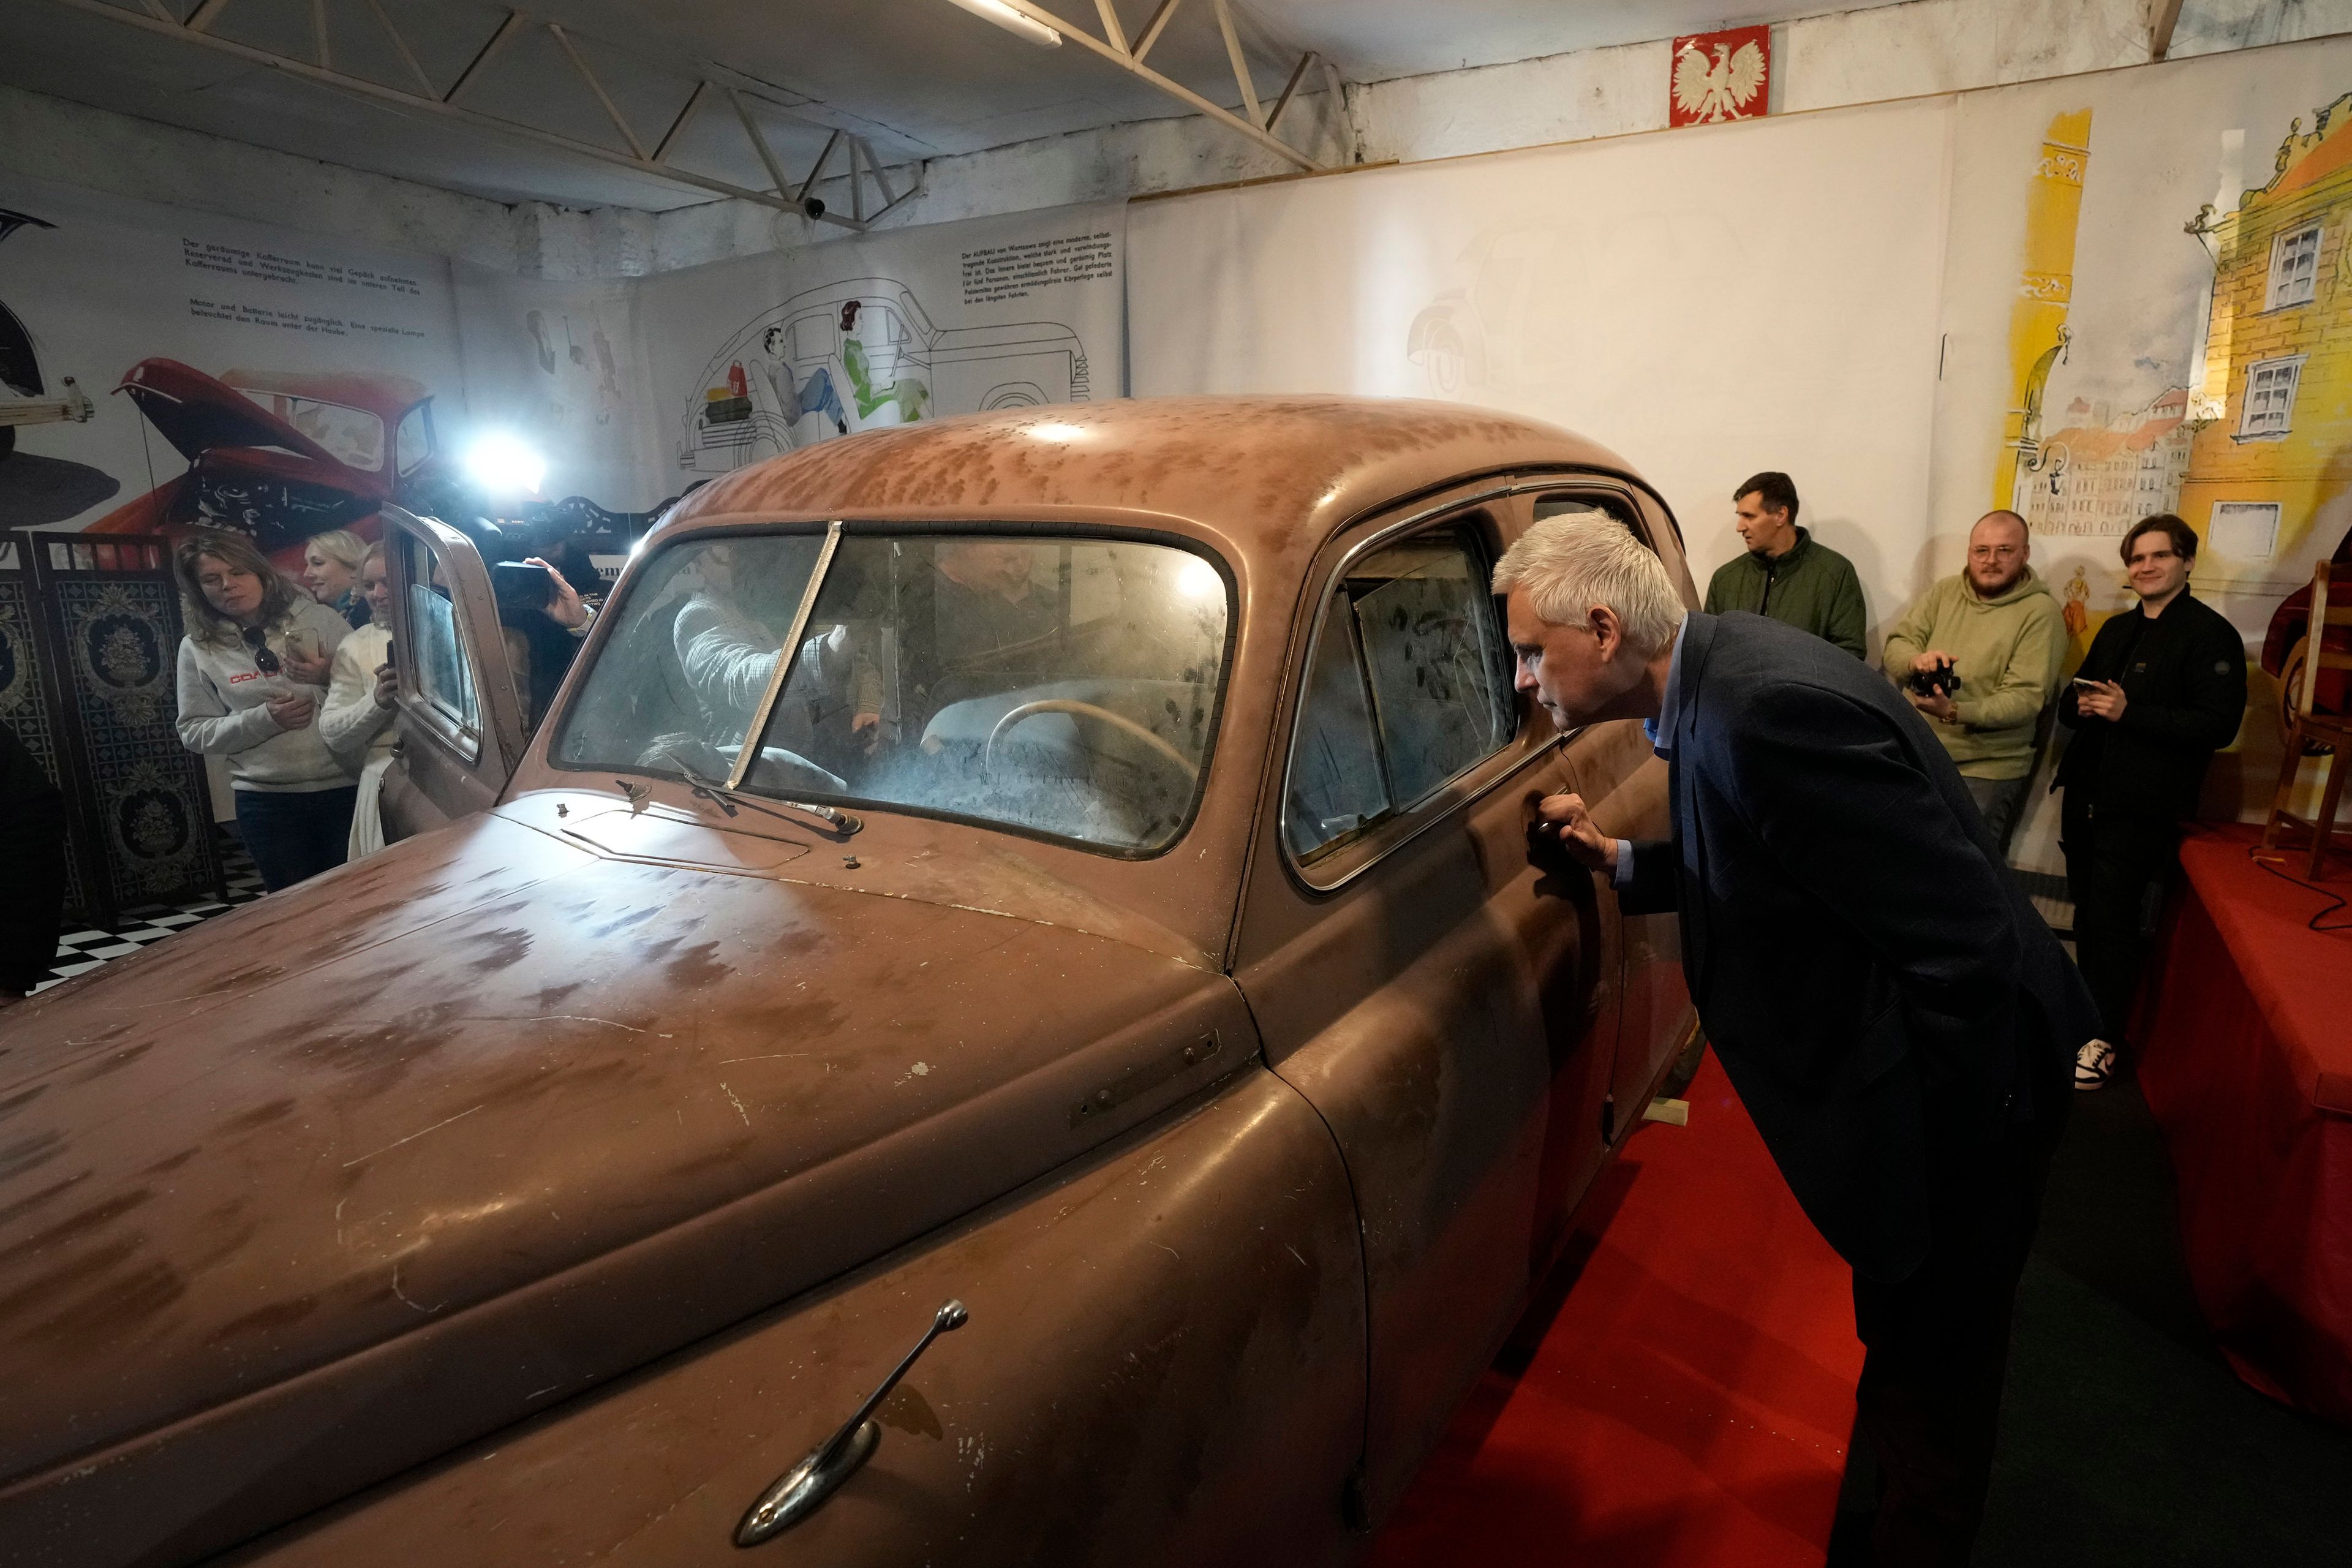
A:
(2247, 1020)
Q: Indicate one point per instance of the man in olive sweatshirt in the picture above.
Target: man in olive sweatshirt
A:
(1786, 574)
(1996, 629)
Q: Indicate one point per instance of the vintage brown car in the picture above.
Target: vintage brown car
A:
(1122, 930)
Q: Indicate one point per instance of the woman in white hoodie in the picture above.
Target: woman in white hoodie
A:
(357, 721)
(252, 676)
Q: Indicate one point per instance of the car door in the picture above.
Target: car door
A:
(460, 721)
(1409, 976)
(1623, 782)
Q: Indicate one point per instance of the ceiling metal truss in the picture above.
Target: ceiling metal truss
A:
(1251, 120)
(784, 193)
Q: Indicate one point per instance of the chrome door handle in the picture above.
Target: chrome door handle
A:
(803, 1489)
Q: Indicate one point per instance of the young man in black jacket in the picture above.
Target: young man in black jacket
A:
(2162, 690)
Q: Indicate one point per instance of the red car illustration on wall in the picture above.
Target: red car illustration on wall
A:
(280, 455)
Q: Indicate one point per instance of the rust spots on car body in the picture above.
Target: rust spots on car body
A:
(264, 1319)
(109, 1310)
(114, 1061)
(260, 1116)
(496, 950)
(41, 1197)
(698, 966)
(29, 1153)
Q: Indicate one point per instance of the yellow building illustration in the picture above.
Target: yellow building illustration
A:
(2037, 321)
(2269, 486)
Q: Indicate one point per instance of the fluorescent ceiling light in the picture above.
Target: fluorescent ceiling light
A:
(1012, 21)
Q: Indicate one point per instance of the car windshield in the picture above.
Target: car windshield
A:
(1064, 686)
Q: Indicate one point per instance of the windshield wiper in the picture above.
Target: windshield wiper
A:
(727, 800)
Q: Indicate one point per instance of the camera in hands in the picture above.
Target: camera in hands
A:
(1942, 680)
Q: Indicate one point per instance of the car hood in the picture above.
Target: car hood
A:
(196, 413)
(319, 1188)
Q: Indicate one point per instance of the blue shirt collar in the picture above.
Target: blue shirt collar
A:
(1660, 729)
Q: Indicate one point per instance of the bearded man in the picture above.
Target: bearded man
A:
(1980, 654)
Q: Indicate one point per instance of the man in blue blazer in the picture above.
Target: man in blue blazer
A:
(1898, 1021)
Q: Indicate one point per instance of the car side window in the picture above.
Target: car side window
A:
(1407, 686)
(443, 676)
(1563, 504)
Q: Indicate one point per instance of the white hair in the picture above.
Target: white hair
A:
(1568, 564)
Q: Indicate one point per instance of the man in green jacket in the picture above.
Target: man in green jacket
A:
(1998, 636)
(1785, 573)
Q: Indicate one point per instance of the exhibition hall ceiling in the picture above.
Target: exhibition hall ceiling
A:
(916, 78)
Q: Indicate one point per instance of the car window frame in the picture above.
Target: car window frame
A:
(556, 726)
(490, 751)
(1331, 866)
(1354, 858)
(465, 741)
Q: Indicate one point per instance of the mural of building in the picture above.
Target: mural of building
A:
(2269, 473)
(2099, 476)
(2038, 331)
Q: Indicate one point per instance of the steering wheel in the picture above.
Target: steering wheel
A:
(1153, 742)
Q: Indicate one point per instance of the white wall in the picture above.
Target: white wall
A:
(1706, 303)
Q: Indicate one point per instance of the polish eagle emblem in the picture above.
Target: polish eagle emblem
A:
(1719, 88)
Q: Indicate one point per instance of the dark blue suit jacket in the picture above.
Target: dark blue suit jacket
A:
(1879, 990)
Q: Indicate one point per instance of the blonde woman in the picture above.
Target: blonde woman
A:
(252, 676)
(356, 724)
(331, 570)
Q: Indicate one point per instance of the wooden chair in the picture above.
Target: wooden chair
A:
(2309, 726)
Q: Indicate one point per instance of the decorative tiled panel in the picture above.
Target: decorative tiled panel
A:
(121, 639)
(24, 710)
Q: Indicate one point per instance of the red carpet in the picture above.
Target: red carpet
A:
(1685, 1403)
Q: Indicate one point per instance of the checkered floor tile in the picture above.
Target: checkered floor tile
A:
(81, 950)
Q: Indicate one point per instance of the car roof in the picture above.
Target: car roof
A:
(1270, 476)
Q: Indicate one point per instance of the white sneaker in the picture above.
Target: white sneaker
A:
(2095, 1064)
